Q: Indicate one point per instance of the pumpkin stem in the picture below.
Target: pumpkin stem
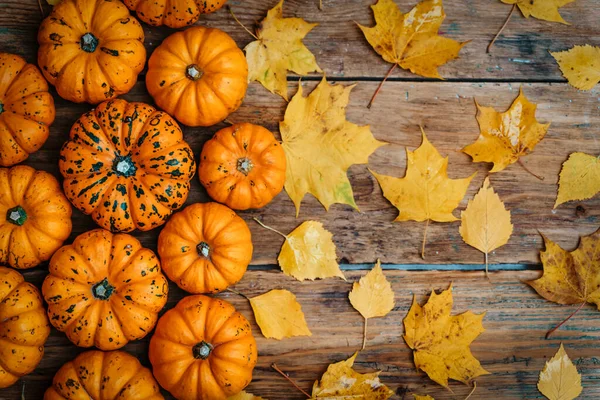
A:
(203, 250)
(102, 290)
(88, 43)
(193, 72)
(202, 350)
(16, 215)
(124, 166)
(244, 165)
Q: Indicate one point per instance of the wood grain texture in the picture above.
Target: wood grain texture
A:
(512, 347)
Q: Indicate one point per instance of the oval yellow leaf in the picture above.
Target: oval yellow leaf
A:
(559, 380)
(580, 65)
(245, 396)
(579, 178)
(279, 315)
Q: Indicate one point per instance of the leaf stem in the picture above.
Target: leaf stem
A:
(512, 10)
(551, 331)
(473, 390)
(321, 5)
(541, 178)
(41, 8)
(364, 344)
(424, 240)
(276, 368)
(486, 263)
(240, 24)
(238, 293)
(269, 228)
(380, 85)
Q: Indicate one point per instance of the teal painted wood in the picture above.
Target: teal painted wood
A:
(423, 267)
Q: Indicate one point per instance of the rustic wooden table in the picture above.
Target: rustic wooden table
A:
(512, 348)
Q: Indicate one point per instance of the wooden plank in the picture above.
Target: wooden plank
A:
(512, 347)
(521, 53)
(447, 112)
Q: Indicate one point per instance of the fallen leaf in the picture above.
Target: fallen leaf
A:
(546, 10)
(506, 136)
(580, 65)
(485, 223)
(279, 49)
(341, 381)
(279, 315)
(425, 193)
(411, 40)
(372, 296)
(579, 178)
(320, 145)
(309, 253)
(245, 396)
(559, 380)
(426, 397)
(441, 341)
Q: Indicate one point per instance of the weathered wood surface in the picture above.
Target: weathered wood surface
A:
(521, 53)
(512, 347)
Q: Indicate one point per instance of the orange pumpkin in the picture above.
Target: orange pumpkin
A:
(172, 13)
(203, 349)
(24, 327)
(242, 166)
(104, 290)
(199, 76)
(205, 248)
(91, 50)
(97, 375)
(26, 109)
(35, 216)
(127, 165)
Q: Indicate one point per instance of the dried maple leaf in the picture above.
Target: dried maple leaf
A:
(425, 193)
(541, 9)
(372, 296)
(441, 341)
(506, 136)
(411, 40)
(245, 396)
(579, 178)
(580, 65)
(485, 223)
(559, 380)
(320, 145)
(279, 315)
(279, 49)
(341, 381)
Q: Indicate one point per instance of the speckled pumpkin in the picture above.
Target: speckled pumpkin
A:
(172, 13)
(205, 248)
(26, 109)
(242, 166)
(97, 375)
(35, 216)
(127, 165)
(24, 327)
(199, 76)
(91, 50)
(203, 349)
(104, 290)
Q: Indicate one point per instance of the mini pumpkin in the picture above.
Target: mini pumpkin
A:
(97, 375)
(203, 349)
(24, 327)
(91, 50)
(127, 165)
(172, 13)
(35, 216)
(198, 75)
(104, 290)
(205, 248)
(242, 166)
(26, 109)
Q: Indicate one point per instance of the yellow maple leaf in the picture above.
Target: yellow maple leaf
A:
(541, 9)
(485, 223)
(245, 396)
(341, 381)
(506, 136)
(425, 193)
(559, 380)
(441, 341)
(411, 40)
(279, 49)
(580, 65)
(372, 296)
(320, 145)
(279, 315)
(579, 178)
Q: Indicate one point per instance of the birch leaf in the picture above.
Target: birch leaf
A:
(579, 178)
(546, 10)
(279, 315)
(580, 65)
(559, 380)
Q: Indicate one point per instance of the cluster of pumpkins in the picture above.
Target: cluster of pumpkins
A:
(128, 166)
